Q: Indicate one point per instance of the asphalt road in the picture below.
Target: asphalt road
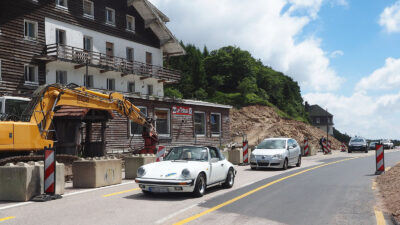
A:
(326, 190)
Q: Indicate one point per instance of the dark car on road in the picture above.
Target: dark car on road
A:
(358, 144)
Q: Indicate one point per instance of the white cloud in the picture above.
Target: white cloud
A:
(385, 78)
(336, 53)
(360, 114)
(390, 18)
(270, 30)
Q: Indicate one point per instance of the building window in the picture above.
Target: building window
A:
(111, 84)
(215, 120)
(110, 16)
(88, 9)
(150, 89)
(61, 77)
(62, 3)
(30, 29)
(136, 129)
(200, 123)
(130, 23)
(131, 87)
(61, 37)
(162, 121)
(30, 74)
(88, 81)
(87, 43)
(317, 120)
(329, 120)
(129, 54)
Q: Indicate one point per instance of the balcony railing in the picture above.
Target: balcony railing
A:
(108, 63)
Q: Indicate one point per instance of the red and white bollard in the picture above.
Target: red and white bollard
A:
(325, 147)
(49, 171)
(306, 148)
(160, 153)
(329, 147)
(343, 148)
(380, 159)
(245, 151)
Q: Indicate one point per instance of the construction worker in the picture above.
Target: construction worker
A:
(321, 143)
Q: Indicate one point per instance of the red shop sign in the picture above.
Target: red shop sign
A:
(181, 110)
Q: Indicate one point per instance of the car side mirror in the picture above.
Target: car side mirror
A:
(290, 147)
(214, 160)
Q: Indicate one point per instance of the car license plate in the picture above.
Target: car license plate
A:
(158, 189)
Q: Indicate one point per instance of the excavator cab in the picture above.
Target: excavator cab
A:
(11, 108)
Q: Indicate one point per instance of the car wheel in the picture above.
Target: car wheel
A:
(299, 161)
(253, 167)
(200, 187)
(349, 151)
(366, 150)
(230, 179)
(147, 192)
(285, 164)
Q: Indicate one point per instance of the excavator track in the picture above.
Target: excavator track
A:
(61, 158)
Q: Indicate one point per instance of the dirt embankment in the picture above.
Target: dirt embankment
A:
(260, 122)
(389, 186)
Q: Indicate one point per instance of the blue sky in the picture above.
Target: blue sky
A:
(344, 54)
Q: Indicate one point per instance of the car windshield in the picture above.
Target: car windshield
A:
(272, 144)
(187, 153)
(357, 140)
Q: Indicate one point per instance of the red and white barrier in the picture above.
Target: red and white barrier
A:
(245, 152)
(49, 171)
(306, 148)
(160, 153)
(325, 147)
(329, 146)
(380, 159)
(343, 148)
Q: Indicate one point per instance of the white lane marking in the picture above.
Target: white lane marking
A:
(162, 220)
(69, 194)
(100, 188)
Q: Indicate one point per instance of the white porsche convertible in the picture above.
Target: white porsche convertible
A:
(187, 169)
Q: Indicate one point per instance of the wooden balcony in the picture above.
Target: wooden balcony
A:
(104, 63)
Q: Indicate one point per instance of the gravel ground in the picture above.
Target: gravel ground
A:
(389, 188)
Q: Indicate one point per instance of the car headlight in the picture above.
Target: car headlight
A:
(186, 173)
(252, 156)
(278, 156)
(141, 172)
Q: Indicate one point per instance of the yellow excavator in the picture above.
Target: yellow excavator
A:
(33, 130)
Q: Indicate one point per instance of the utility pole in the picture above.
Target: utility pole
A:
(327, 128)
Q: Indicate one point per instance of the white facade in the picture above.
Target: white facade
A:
(74, 37)
(330, 127)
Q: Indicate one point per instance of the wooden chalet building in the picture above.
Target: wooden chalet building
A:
(105, 45)
(320, 117)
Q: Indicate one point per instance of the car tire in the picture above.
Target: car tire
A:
(285, 164)
(230, 179)
(299, 161)
(349, 151)
(253, 167)
(147, 192)
(200, 187)
(366, 150)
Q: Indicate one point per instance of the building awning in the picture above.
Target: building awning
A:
(155, 20)
(83, 113)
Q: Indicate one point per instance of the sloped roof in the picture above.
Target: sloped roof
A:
(155, 20)
(80, 113)
(316, 110)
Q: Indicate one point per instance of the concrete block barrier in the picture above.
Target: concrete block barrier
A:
(236, 156)
(132, 163)
(60, 176)
(313, 150)
(16, 183)
(226, 154)
(97, 172)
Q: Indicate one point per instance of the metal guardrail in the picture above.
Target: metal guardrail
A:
(109, 63)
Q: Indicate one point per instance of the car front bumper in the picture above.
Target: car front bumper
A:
(163, 186)
(268, 163)
(357, 148)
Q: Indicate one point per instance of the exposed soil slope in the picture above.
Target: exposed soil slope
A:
(260, 122)
(389, 186)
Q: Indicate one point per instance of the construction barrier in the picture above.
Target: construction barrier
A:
(160, 153)
(329, 146)
(306, 148)
(132, 163)
(49, 171)
(245, 151)
(380, 159)
(343, 148)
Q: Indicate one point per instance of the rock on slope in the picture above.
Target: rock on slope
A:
(260, 122)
